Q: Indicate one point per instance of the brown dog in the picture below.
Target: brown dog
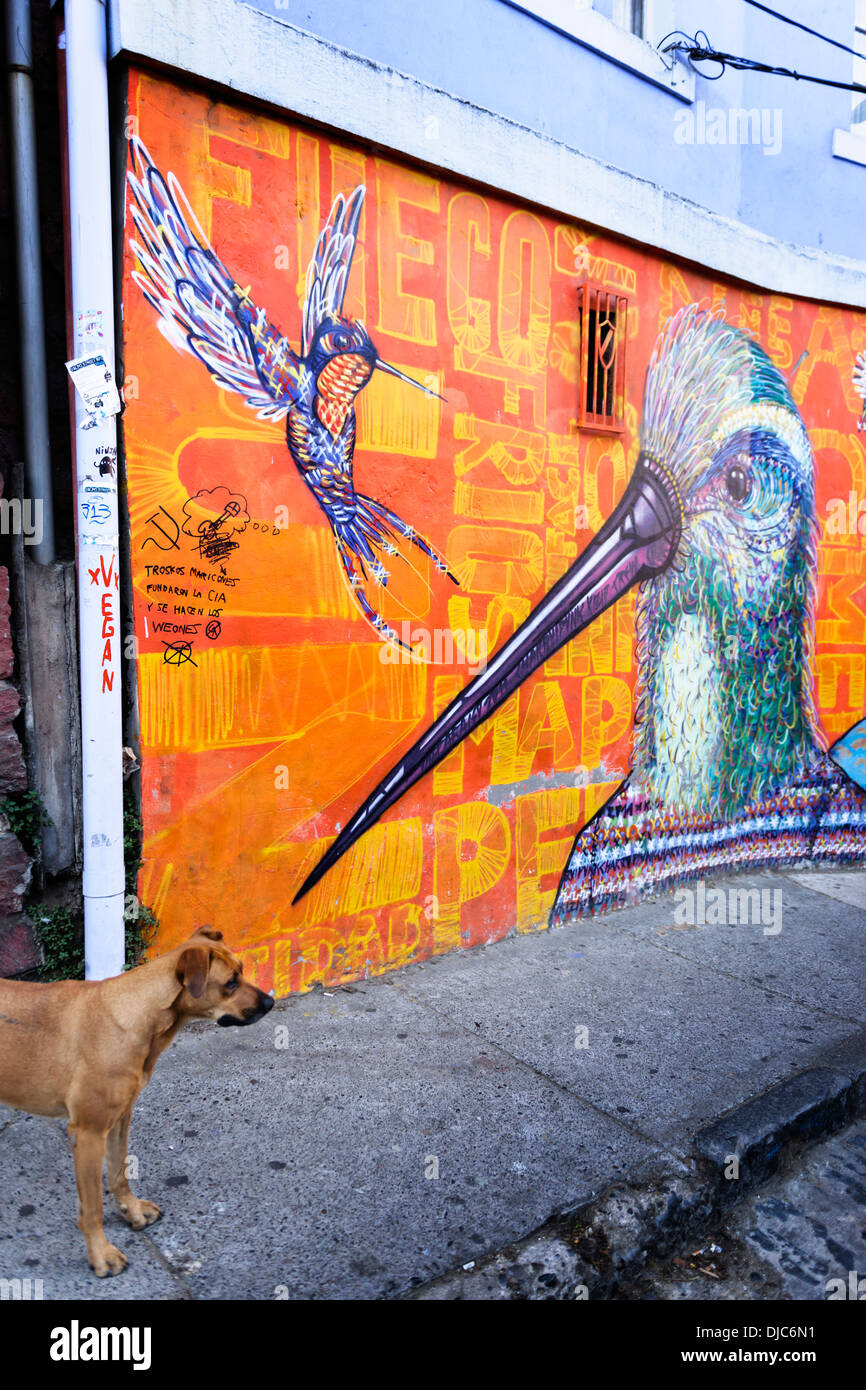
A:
(84, 1049)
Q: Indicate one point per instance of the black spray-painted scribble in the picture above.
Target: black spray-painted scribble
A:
(215, 533)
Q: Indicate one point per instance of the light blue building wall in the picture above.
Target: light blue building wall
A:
(496, 55)
(560, 103)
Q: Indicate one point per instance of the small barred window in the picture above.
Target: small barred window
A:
(603, 319)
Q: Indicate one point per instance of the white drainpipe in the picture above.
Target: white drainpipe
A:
(96, 491)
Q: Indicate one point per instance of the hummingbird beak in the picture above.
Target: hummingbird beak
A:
(637, 541)
(392, 371)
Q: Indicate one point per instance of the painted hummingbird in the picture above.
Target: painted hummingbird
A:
(718, 529)
(202, 310)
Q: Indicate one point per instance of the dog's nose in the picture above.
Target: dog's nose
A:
(267, 1003)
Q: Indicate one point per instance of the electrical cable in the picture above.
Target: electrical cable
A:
(757, 5)
(705, 53)
(677, 48)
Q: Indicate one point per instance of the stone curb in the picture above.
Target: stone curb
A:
(591, 1252)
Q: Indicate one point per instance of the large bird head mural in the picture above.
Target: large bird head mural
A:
(717, 527)
(724, 632)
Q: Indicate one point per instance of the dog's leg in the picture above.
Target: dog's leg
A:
(88, 1146)
(135, 1210)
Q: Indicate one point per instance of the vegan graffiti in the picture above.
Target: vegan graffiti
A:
(204, 311)
(260, 741)
(717, 526)
(108, 582)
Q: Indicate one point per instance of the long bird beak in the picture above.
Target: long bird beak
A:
(637, 541)
(392, 371)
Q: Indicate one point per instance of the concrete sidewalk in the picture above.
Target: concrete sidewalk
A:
(366, 1142)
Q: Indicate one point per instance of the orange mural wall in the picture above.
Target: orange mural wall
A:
(270, 707)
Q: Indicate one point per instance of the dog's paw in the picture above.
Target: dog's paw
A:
(108, 1260)
(139, 1213)
(143, 1214)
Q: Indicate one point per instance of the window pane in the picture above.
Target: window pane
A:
(858, 99)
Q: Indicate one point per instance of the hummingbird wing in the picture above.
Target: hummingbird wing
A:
(201, 309)
(329, 269)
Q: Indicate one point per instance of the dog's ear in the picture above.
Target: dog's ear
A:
(192, 968)
(210, 932)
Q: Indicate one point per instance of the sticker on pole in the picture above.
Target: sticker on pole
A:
(88, 330)
(92, 379)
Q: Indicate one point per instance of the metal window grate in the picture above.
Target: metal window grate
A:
(603, 320)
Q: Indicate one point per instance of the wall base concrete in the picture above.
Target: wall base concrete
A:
(18, 949)
(53, 660)
(50, 763)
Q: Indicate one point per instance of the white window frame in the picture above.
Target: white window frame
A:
(859, 71)
(593, 30)
(850, 143)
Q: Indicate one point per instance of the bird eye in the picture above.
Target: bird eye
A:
(338, 341)
(738, 483)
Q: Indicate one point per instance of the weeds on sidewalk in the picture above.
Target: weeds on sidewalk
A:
(60, 929)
